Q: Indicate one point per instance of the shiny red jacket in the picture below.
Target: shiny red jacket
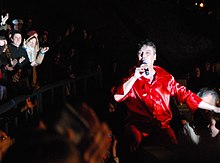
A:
(152, 100)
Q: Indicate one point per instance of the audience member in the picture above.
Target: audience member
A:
(208, 75)
(72, 63)
(44, 39)
(18, 61)
(195, 80)
(203, 133)
(3, 63)
(36, 56)
(17, 25)
(202, 118)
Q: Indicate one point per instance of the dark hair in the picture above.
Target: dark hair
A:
(147, 42)
(13, 32)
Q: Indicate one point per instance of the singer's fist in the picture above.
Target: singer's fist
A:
(138, 72)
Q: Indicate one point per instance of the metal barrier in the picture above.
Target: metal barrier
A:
(10, 112)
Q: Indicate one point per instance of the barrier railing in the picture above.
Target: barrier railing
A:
(10, 112)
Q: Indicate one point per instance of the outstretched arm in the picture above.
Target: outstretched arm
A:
(204, 105)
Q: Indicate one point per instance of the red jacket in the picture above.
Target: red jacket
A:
(152, 100)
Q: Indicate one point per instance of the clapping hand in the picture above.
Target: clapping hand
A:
(14, 62)
(21, 59)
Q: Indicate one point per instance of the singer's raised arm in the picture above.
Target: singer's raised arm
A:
(120, 94)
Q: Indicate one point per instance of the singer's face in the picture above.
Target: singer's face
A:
(147, 53)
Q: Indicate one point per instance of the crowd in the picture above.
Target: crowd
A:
(130, 123)
(32, 57)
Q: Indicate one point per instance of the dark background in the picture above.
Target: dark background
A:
(184, 33)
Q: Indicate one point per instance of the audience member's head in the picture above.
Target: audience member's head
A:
(3, 44)
(16, 37)
(17, 24)
(202, 118)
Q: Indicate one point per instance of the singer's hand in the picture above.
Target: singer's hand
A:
(140, 71)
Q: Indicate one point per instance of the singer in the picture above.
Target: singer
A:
(146, 94)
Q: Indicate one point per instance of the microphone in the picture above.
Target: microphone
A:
(145, 66)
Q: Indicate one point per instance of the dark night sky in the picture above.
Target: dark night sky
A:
(183, 35)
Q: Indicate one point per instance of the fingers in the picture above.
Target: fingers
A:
(46, 48)
(4, 19)
(138, 72)
(140, 69)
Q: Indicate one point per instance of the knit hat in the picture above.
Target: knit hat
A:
(30, 34)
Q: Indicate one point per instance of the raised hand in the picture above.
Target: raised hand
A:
(4, 19)
(44, 50)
